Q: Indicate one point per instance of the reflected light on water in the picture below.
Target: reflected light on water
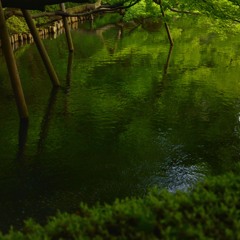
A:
(180, 178)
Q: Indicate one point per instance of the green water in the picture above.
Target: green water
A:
(131, 114)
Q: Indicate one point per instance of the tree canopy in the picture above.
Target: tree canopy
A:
(219, 13)
(222, 9)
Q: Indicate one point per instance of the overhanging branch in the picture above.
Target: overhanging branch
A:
(101, 9)
(183, 12)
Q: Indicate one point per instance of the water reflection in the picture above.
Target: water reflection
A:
(179, 170)
(22, 137)
(179, 178)
(69, 69)
(46, 119)
(166, 65)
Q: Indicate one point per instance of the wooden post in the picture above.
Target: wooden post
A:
(42, 50)
(12, 67)
(67, 30)
(166, 25)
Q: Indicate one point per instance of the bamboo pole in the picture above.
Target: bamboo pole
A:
(42, 50)
(67, 29)
(166, 25)
(12, 67)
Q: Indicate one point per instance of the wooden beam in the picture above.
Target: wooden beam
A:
(67, 29)
(12, 67)
(42, 50)
(166, 25)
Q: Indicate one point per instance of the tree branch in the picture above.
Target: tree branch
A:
(83, 12)
(184, 12)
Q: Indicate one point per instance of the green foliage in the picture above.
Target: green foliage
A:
(105, 20)
(49, 8)
(142, 10)
(211, 211)
(224, 14)
(16, 25)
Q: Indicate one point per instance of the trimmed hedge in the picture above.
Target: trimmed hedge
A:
(210, 211)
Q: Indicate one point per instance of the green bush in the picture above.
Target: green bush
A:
(210, 211)
(16, 25)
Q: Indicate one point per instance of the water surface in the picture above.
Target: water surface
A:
(131, 114)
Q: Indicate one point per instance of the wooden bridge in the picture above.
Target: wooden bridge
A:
(7, 50)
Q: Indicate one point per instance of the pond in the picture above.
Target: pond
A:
(131, 113)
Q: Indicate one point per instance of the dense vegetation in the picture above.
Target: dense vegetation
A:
(211, 211)
(17, 24)
(223, 13)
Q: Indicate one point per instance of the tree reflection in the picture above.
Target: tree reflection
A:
(69, 69)
(22, 137)
(46, 119)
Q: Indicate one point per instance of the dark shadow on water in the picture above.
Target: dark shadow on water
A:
(164, 78)
(20, 199)
(69, 70)
(46, 119)
(22, 137)
(166, 65)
